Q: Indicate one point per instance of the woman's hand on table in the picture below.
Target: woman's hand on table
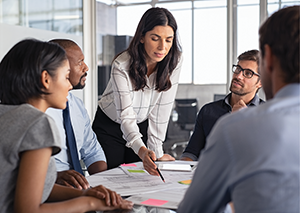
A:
(148, 157)
(166, 157)
(98, 204)
(109, 197)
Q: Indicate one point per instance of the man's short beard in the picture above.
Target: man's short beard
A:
(79, 85)
(236, 92)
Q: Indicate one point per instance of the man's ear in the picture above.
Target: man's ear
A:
(46, 79)
(259, 84)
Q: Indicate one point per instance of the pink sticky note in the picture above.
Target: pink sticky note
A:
(129, 164)
(154, 202)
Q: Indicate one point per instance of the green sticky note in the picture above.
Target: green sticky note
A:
(135, 171)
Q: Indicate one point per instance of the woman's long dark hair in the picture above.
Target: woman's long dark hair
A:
(138, 69)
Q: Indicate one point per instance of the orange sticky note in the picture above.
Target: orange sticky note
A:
(154, 202)
(129, 164)
(186, 182)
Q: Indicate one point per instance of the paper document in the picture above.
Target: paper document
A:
(133, 180)
(192, 163)
(169, 199)
(175, 167)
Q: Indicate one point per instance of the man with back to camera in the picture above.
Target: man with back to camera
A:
(252, 156)
(87, 145)
(244, 86)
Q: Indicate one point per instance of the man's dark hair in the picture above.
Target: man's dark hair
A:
(251, 55)
(21, 69)
(281, 33)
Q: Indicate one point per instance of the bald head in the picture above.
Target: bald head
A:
(78, 69)
(64, 43)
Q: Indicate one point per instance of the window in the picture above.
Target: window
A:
(247, 25)
(183, 15)
(202, 27)
(52, 15)
(210, 44)
(129, 17)
(274, 5)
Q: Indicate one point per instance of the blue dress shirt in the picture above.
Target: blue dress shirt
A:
(251, 158)
(89, 149)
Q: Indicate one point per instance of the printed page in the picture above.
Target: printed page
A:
(169, 199)
(134, 180)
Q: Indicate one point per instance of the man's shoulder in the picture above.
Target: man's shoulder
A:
(77, 107)
(74, 100)
(213, 105)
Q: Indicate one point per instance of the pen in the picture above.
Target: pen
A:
(158, 171)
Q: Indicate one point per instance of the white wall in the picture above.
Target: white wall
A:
(203, 93)
(11, 34)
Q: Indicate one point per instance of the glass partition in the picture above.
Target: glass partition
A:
(202, 27)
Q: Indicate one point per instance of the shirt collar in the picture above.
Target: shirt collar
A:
(226, 99)
(254, 102)
(289, 90)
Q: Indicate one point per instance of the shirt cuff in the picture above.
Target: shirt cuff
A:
(136, 145)
(159, 152)
(189, 155)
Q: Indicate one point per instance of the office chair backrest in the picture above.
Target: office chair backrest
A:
(187, 111)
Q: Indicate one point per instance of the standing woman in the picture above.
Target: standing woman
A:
(34, 75)
(134, 110)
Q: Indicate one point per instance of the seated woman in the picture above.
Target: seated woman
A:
(34, 76)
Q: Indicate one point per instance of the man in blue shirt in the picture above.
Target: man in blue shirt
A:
(252, 156)
(244, 86)
(88, 147)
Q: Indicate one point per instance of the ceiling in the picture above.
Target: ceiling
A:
(137, 2)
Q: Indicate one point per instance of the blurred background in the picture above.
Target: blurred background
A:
(212, 34)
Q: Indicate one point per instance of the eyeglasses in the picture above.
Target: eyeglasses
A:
(247, 73)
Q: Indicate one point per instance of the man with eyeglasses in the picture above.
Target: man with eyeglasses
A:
(244, 86)
(252, 157)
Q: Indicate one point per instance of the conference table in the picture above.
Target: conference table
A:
(148, 193)
(141, 209)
